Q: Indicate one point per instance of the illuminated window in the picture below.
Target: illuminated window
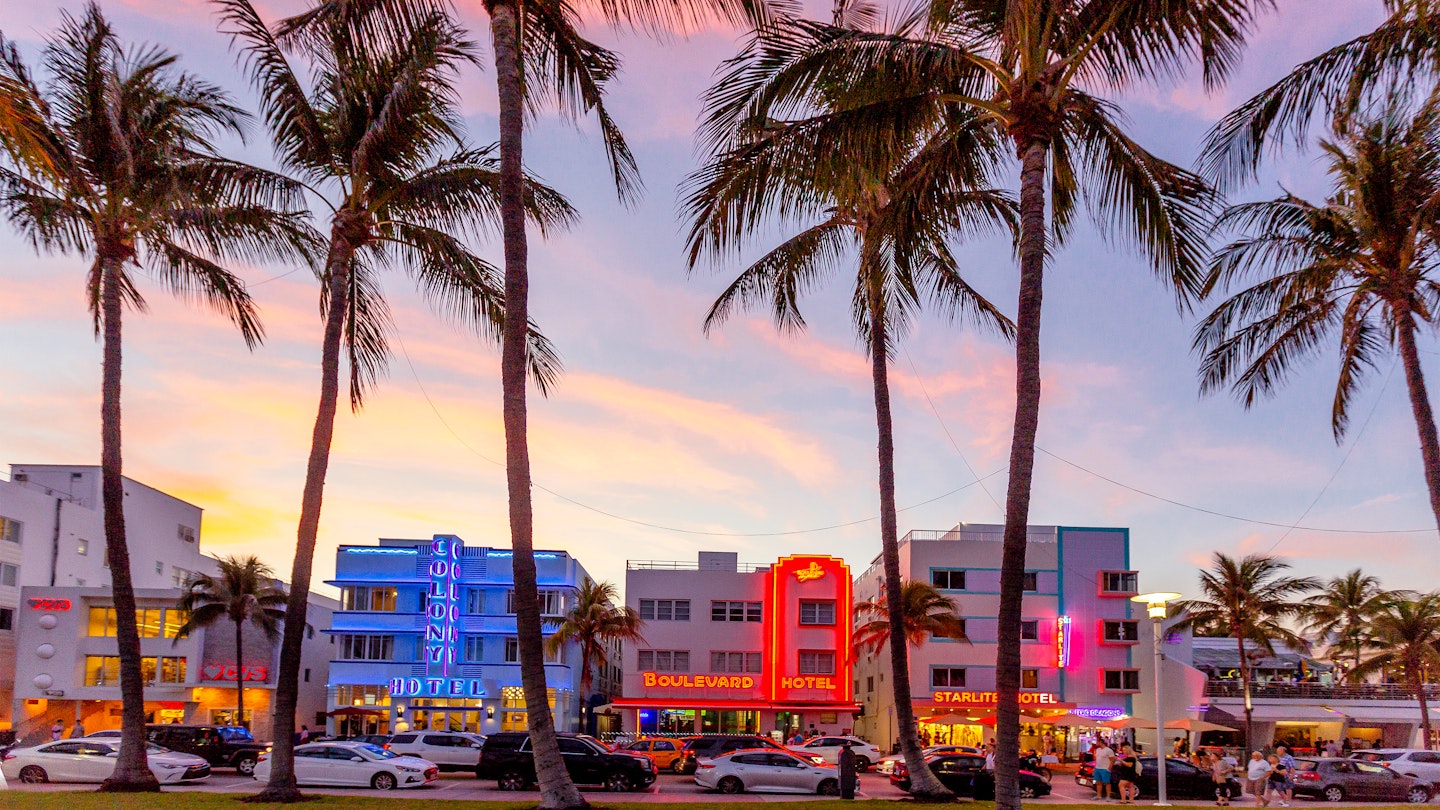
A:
(1030, 630)
(734, 661)
(552, 603)
(735, 612)
(665, 660)
(102, 622)
(147, 620)
(1122, 680)
(817, 662)
(172, 670)
(1032, 581)
(82, 547)
(366, 648)
(102, 670)
(173, 620)
(817, 611)
(474, 600)
(941, 677)
(947, 579)
(10, 529)
(380, 599)
(1029, 679)
(362, 695)
(665, 610)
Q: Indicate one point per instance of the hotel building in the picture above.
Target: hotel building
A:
(426, 639)
(739, 649)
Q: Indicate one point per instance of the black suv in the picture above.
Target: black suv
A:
(713, 746)
(506, 757)
(228, 746)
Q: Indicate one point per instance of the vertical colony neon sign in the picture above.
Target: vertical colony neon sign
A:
(442, 629)
(1062, 642)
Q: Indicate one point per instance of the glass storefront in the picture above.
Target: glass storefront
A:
(446, 714)
(729, 722)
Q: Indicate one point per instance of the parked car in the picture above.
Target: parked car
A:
(107, 734)
(667, 752)
(965, 775)
(507, 758)
(1337, 780)
(1415, 762)
(225, 746)
(829, 748)
(381, 740)
(451, 750)
(354, 764)
(766, 771)
(93, 761)
(1182, 780)
(886, 765)
(714, 745)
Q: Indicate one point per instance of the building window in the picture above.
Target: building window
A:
(870, 683)
(817, 611)
(817, 662)
(7, 619)
(102, 669)
(735, 612)
(665, 660)
(1032, 581)
(512, 650)
(1121, 680)
(82, 547)
(358, 695)
(366, 648)
(307, 675)
(1119, 583)
(173, 619)
(1030, 630)
(10, 529)
(552, 603)
(1029, 679)
(474, 600)
(665, 610)
(159, 567)
(9, 574)
(179, 577)
(475, 648)
(102, 622)
(380, 599)
(947, 579)
(184, 533)
(148, 622)
(1120, 631)
(734, 661)
(943, 677)
(170, 670)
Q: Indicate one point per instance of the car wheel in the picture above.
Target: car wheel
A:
(689, 767)
(1334, 793)
(619, 783)
(678, 766)
(511, 780)
(245, 765)
(383, 781)
(1027, 791)
(828, 787)
(34, 775)
(861, 764)
(731, 785)
(1418, 795)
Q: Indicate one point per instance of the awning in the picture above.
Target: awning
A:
(702, 703)
(1293, 714)
(1360, 716)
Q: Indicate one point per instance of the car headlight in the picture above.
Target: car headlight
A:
(408, 769)
(171, 765)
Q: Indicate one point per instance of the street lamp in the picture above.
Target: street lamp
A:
(1155, 606)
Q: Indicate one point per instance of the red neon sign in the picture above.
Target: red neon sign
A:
(789, 581)
(807, 574)
(49, 604)
(660, 679)
(228, 672)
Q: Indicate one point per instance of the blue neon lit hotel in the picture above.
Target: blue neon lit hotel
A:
(425, 638)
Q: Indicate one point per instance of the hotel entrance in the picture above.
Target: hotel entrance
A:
(446, 714)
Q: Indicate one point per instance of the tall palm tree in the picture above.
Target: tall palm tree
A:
(1363, 266)
(594, 621)
(893, 199)
(1341, 611)
(1033, 69)
(1407, 638)
(245, 592)
(376, 133)
(928, 614)
(1251, 600)
(113, 158)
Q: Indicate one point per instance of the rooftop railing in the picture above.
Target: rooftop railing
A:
(689, 565)
(1319, 691)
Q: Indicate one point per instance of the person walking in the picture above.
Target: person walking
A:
(1220, 771)
(1275, 783)
(1104, 759)
(78, 730)
(1125, 773)
(1257, 771)
(1288, 763)
(57, 730)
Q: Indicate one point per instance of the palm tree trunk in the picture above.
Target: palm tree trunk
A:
(239, 678)
(1420, 404)
(1245, 688)
(131, 774)
(924, 783)
(1022, 468)
(281, 787)
(557, 791)
(1418, 681)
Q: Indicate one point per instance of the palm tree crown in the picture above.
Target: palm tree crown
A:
(1341, 611)
(928, 614)
(593, 622)
(1406, 638)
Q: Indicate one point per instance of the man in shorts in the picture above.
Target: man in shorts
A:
(1288, 763)
(1104, 758)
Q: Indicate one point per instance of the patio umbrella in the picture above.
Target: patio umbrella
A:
(1129, 722)
(1195, 726)
(1068, 720)
(355, 711)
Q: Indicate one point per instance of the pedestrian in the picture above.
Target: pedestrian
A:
(57, 730)
(303, 736)
(78, 730)
(1277, 782)
(1220, 771)
(1257, 772)
(990, 757)
(1288, 763)
(1104, 759)
(1346, 748)
(1125, 773)
(1332, 749)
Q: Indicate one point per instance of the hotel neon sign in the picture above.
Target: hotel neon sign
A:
(988, 700)
(660, 679)
(1062, 642)
(442, 630)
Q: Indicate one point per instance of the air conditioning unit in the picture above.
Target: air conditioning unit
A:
(22, 477)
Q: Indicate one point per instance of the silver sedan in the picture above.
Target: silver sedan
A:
(764, 770)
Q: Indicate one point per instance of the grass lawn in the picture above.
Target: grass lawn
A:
(84, 800)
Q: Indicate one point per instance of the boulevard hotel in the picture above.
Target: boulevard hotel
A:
(731, 649)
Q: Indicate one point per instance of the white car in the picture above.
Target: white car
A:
(769, 771)
(1414, 762)
(451, 750)
(887, 764)
(107, 734)
(829, 748)
(93, 761)
(354, 764)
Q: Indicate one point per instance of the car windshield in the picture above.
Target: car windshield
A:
(156, 749)
(234, 734)
(603, 746)
(376, 751)
(1373, 756)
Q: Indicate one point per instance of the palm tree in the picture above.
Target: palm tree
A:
(592, 623)
(376, 133)
(1250, 600)
(114, 159)
(928, 614)
(893, 199)
(1406, 638)
(245, 592)
(1032, 69)
(1364, 266)
(1342, 610)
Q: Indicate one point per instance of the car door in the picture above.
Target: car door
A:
(311, 765)
(754, 770)
(441, 749)
(953, 774)
(1425, 765)
(1367, 781)
(61, 761)
(348, 767)
(95, 762)
(580, 761)
(662, 752)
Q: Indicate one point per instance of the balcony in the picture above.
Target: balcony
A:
(687, 565)
(1319, 692)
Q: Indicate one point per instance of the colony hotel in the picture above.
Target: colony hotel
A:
(425, 638)
(732, 649)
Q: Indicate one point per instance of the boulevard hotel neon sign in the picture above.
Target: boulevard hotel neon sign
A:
(442, 630)
(988, 700)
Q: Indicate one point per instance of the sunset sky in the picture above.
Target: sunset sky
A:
(745, 440)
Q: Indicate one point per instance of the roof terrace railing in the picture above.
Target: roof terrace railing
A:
(688, 565)
(1319, 691)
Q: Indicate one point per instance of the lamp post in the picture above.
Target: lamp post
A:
(1155, 606)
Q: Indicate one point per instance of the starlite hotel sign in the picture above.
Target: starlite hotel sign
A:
(442, 630)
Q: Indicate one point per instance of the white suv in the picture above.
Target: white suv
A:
(450, 750)
(829, 748)
(1406, 761)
